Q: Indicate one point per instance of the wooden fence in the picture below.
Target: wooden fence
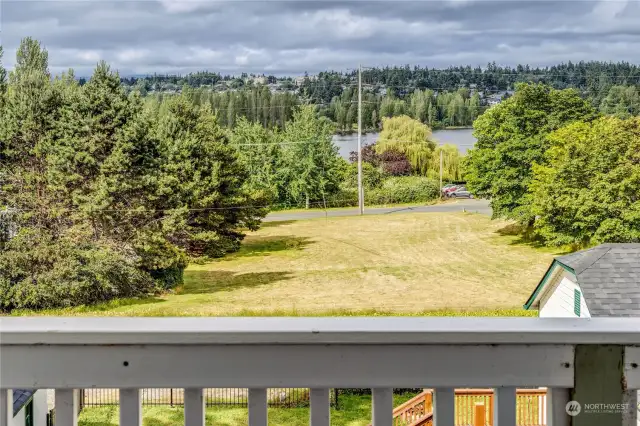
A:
(474, 407)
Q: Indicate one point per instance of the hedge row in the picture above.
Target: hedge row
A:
(394, 190)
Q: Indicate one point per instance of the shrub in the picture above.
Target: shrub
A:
(394, 190)
(404, 189)
(40, 272)
(372, 176)
(395, 163)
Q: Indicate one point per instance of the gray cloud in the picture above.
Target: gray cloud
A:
(275, 37)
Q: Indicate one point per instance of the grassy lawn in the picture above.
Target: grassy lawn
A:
(354, 411)
(394, 264)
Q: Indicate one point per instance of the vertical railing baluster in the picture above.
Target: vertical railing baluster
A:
(491, 400)
(504, 410)
(258, 407)
(444, 406)
(320, 414)
(556, 407)
(194, 407)
(66, 407)
(382, 406)
(130, 407)
(6, 407)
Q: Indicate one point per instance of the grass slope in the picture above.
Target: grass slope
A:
(394, 264)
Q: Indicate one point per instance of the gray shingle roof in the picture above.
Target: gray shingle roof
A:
(609, 276)
(20, 398)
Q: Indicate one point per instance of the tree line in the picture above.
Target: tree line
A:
(438, 97)
(436, 109)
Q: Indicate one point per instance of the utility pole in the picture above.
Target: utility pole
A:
(440, 171)
(360, 189)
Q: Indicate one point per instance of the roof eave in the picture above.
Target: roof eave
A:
(538, 290)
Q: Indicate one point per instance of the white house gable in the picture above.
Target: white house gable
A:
(562, 297)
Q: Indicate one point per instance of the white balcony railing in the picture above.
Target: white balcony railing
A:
(592, 361)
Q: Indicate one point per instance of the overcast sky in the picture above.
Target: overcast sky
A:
(273, 37)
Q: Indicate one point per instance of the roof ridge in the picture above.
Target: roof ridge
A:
(608, 249)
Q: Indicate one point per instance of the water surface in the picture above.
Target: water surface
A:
(462, 138)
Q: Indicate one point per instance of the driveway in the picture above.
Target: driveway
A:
(476, 206)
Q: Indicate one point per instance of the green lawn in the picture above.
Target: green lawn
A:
(399, 264)
(354, 411)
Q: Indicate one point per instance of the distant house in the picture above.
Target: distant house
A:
(603, 281)
(8, 227)
(494, 99)
(29, 408)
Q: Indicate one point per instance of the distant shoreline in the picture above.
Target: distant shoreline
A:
(365, 131)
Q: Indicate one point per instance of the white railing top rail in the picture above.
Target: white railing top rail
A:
(296, 330)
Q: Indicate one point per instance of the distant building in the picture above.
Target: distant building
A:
(299, 80)
(494, 99)
(8, 226)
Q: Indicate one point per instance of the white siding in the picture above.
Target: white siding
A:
(558, 298)
(40, 409)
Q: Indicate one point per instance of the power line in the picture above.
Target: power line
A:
(203, 209)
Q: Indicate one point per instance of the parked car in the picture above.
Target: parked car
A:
(461, 192)
(447, 192)
(449, 185)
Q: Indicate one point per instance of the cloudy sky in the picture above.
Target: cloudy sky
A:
(273, 37)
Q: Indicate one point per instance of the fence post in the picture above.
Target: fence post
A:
(80, 400)
(479, 414)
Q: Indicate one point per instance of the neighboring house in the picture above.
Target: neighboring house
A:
(603, 281)
(494, 100)
(29, 408)
(8, 226)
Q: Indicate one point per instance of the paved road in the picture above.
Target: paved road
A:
(477, 206)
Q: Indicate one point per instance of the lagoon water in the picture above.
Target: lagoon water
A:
(462, 138)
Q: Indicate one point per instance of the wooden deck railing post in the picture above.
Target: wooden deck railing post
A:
(479, 414)
(491, 409)
(600, 379)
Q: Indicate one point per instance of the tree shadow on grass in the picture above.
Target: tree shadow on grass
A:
(265, 246)
(523, 235)
(276, 223)
(526, 237)
(203, 282)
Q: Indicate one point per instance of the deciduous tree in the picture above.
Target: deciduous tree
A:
(511, 137)
(588, 190)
